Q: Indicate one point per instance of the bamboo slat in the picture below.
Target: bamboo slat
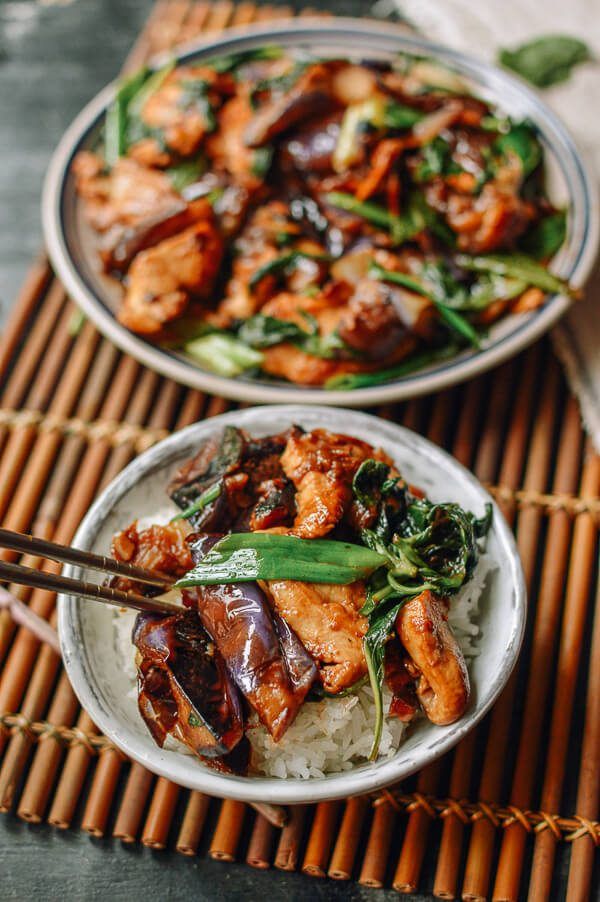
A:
(62, 439)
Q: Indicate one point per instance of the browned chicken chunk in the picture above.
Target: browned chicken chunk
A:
(327, 621)
(161, 548)
(321, 465)
(164, 279)
(442, 678)
(181, 108)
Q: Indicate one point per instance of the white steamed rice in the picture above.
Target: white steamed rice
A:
(334, 734)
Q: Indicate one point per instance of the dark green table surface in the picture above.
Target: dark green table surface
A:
(53, 59)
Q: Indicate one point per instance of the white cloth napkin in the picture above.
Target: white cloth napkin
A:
(481, 27)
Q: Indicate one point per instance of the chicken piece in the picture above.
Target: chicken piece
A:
(327, 621)
(161, 548)
(129, 241)
(256, 245)
(312, 94)
(226, 147)
(322, 465)
(286, 361)
(324, 309)
(164, 279)
(490, 221)
(129, 194)
(443, 681)
(132, 207)
(182, 108)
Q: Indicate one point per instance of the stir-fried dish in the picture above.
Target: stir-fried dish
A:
(320, 221)
(308, 567)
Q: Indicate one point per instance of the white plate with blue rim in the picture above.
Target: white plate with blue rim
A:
(73, 253)
(100, 667)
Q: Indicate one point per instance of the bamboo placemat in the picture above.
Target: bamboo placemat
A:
(493, 819)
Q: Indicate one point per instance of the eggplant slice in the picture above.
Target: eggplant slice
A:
(265, 658)
(184, 688)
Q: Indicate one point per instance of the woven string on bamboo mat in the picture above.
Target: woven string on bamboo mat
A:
(488, 817)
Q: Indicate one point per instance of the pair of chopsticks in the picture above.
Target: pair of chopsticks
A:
(166, 603)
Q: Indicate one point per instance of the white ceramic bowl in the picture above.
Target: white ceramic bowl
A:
(72, 249)
(95, 665)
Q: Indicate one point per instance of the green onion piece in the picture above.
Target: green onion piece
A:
(523, 143)
(517, 266)
(374, 213)
(150, 86)
(284, 262)
(456, 321)
(115, 125)
(356, 116)
(376, 681)
(222, 354)
(352, 381)
(206, 498)
(250, 556)
(546, 237)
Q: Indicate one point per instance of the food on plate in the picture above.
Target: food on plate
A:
(321, 221)
(326, 604)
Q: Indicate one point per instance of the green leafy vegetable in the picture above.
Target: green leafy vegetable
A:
(516, 266)
(400, 116)
(374, 643)
(262, 331)
(483, 291)
(368, 481)
(547, 60)
(546, 237)
(250, 556)
(222, 354)
(186, 173)
(437, 160)
(284, 264)
(454, 320)
(435, 547)
(206, 498)
(523, 143)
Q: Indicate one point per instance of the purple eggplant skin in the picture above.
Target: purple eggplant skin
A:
(184, 687)
(240, 621)
(300, 666)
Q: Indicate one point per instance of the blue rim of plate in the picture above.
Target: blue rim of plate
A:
(361, 35)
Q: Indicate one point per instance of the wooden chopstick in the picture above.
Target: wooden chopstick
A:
(39, 579)
(64, 554)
